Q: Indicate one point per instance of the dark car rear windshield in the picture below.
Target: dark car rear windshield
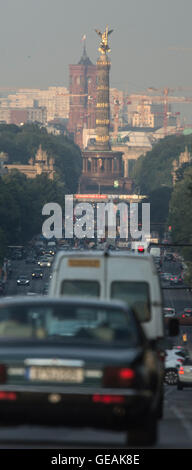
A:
(70, 323)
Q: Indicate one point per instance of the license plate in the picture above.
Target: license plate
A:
(56, 374)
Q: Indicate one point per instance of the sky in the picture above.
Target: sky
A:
(151, 44)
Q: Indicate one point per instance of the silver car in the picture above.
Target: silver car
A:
(185, 374)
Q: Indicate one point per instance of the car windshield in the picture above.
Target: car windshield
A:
(70, 323)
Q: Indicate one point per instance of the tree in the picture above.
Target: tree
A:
(180, 213)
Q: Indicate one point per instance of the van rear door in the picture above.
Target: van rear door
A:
(135, 281)
(80, 275)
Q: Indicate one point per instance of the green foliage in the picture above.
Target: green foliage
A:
(22, 198)
(21, 144)
(154, 169)
(180, 213)
(159, 208)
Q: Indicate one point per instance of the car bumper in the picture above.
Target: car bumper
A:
(76, 408)
(185, 383)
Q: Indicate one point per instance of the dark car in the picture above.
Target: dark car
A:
(37, 274)
(22, 280)
(176, 279)
(81, 363)
(187, 312)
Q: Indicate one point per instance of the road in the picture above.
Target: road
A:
(175, 429)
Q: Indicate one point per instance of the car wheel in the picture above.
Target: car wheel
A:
(179, 386)
(171, 377)
(145, 435)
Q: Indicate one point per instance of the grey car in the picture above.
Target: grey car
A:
(185, 374)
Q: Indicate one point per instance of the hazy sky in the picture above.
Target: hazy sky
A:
(151, 43)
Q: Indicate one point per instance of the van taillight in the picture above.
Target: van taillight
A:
(181, 371)
(118, 377)
(3, 373)
(140, 249)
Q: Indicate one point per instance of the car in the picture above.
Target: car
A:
(44, 263)
(166, 277)
(37, 274)
(22, 280)
(185, 374)
(81, 362)
(176, 279)
(173, 360)
(169, 312)
(187, 312)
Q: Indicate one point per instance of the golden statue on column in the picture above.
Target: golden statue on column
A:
(104, 47)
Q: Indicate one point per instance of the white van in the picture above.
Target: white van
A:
(125, 276)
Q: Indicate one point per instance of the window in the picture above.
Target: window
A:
(136, 295)
(80, 288)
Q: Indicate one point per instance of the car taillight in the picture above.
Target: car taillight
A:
(118, 377)
(108, 399)
(161, 356)
(10, 396)
(3, 373)
(181, 370)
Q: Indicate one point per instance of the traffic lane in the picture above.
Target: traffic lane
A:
(36, 285)
(177, 298)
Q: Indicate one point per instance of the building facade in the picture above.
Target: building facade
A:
(82, 89)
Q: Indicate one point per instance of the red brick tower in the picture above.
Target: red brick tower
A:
(82, 88)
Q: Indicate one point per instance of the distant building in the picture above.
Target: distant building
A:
(54, 99)
(82, 106)
(40, 165)
(152, 115)
(19, 116)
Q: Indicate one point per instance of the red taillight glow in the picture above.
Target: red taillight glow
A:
(140, 249)
(118, 377)
(181, 371)
(126, 374)
(108, 399)
(3, 373)
(11, 396)
(161, 356)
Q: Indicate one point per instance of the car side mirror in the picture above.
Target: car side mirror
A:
(173, 327)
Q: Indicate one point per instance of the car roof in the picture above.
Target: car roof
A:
(42, 300)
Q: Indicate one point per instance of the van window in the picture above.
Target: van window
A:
(80, 288)
(136, 295)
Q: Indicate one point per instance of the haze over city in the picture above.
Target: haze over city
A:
(151, 44)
